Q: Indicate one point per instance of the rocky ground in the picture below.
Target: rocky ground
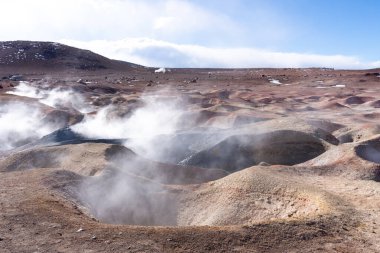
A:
(100, 156)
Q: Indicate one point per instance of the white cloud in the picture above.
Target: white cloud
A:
(181, 32)
(173, 20)
(150, 52)
(163, 22)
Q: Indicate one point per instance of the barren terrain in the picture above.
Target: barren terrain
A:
(105, 156)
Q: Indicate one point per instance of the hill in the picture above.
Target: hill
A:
(52, 55)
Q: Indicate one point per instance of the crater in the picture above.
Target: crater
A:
(121, 198)
(284, 147)
(246, 197)
(369, 151)
(356, 100)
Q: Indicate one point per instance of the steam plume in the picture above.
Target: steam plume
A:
(58, 97)
(20, 123)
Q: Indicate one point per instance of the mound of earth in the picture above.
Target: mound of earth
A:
(66, 136)
(358, 134)
(61, 118)
(91, 158)
(320, 129)
(251, 196)
(85, 159)
(350, 160)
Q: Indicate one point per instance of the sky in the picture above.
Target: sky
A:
(206, 33)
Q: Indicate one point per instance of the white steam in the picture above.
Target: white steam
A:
(275, 81)
(160, 70)
(58, 97)
(130, 194)
(130, 190)
(153, 119)
(156, 117)
(121, 198)
(19, 124)
(26, 90)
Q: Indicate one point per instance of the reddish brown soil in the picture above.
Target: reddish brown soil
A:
(327, 204)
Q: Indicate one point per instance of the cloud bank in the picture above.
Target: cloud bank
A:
(172, 20)
(158, 53)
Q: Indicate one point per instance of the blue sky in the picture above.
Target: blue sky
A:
(334, 26)
(348, 27)
(196, 33)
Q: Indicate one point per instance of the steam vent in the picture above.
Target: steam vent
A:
(98, 155)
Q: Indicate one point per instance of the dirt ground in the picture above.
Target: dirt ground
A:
(309, 180)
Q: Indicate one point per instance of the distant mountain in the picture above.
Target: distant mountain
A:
(31, 54)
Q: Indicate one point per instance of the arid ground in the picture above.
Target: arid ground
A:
(106, 156)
